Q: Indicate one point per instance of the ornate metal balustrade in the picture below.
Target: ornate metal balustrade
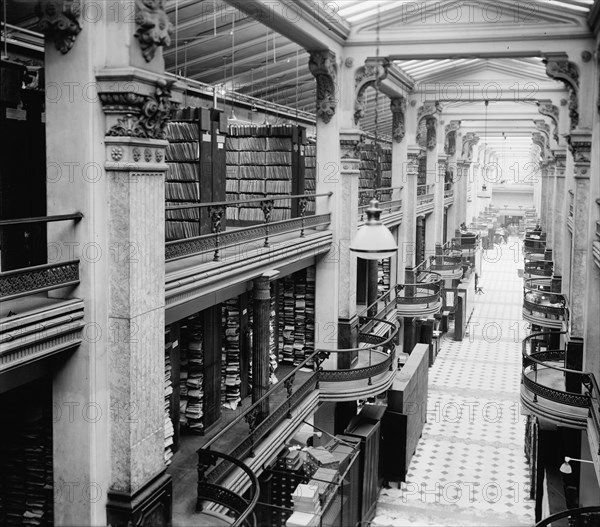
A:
(580, 517)
(219, 240)
(383, 195)
(541, 304)
(38, 278)
(540, 268)
(256, 421)
(534, 245)
(241, 508)
(420, 293)
(425, 194)
(378, 356)
(540, 376)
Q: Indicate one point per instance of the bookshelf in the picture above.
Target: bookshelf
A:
(369, 179)
(196, 160)
(169, 428)
(310, 173)
(297, 325)
(264, 161)
(383, 276)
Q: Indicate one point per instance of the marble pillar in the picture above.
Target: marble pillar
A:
(580, 145)
(409, 209)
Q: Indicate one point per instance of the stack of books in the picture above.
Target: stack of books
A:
(325, 479)
(230, 365)
(319, 457)
(169, 430)
(191, 394)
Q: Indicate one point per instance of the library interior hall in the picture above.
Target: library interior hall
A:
(300, 263)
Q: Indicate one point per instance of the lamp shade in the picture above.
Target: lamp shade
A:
(373, 241)
(565, 468)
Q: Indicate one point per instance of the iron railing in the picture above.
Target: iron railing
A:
(540, 300)
(37, 279)
(219, 240)
(580, 517)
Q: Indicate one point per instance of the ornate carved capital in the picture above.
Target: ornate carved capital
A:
(469, 142)
(153, 26)
(323, 67)
(144, 116)
(451, 132)
(398, 109)
(59, 20)
(580, 146)
(431, 125)
(559, 67)
(373, 71)
(550, 110)
(350, 145)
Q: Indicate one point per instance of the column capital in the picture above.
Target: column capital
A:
(469, 141)
(559, 67)
(580, 146)
(322, 65)
(350, 143)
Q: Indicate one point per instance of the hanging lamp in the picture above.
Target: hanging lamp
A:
(374, 241)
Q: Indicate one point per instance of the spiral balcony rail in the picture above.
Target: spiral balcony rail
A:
(580, 517)
(541, 306)
(241, 508)
(543, 383)
(422, 298)
(221, 239)
(538, 268)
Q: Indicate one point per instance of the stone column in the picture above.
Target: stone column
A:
(409, 208)
(550, 210)
(559, 217)
(580, 144)
(439, 209)
(544, 198)
(323, 66)
(461, 189)
(260, 338)
(453, 138)
(107, 136)
(349, 174)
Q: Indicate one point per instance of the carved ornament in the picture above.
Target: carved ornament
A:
(398, 109)
(153, 26)
(59, 20)
(559, 67)
(323, 67)
(144, 115)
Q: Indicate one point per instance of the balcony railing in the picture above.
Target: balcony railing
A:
(376, 355)
(421, 298)
(544, 380)
(534, 244)
(219, 240)
(541, 306)
(37, 279)
(538, 268)
(425, 194)
(241, 508)
(383, 195)
(580, 517)
(466, 242)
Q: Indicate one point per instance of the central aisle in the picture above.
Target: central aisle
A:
(470, 466)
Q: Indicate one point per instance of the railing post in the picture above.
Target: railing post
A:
(267, 208)
(289, 386)
(216, 217)
(321, 356)
(251, 418)
(302, 205)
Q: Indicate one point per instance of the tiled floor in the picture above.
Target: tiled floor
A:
(469, 468)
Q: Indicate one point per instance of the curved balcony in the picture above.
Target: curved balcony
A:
(238, 510)
(534, 243)
(448, 267)
(543, 384)
(541, 306)
(581, 517)
(538, 268)
(373, 369)
(421, 299)
(467, 242)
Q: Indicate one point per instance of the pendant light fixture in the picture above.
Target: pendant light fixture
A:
(374, 241)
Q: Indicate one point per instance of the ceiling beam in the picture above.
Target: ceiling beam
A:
(308, 24)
